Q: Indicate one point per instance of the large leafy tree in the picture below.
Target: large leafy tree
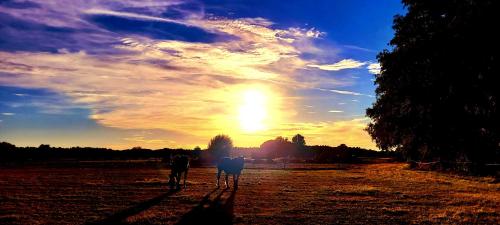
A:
(279, 147)
(220, 146)
(299, 140)
(300, 144)
(438, 90)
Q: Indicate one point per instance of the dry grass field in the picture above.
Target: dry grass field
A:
(384, 193)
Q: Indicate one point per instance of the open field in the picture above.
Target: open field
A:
(384, 193)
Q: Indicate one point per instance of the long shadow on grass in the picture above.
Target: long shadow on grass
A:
(119, 217)
(213, 211)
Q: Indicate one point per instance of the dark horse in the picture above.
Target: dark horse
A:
(230, 166)
(179, 164)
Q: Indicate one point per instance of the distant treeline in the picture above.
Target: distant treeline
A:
(266, 153)
(10, 152)
(316, 153)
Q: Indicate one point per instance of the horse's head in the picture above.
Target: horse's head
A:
(240, 160)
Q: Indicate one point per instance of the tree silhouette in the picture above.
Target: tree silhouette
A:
(300, 144)
(5, 146)
(437, 93)
(281, 139)
(44, 147)
(299, 140)
(279, 147)
(220, 146)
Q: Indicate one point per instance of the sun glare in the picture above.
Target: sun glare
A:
(253, 111)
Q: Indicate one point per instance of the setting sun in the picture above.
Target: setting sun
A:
(253, 111)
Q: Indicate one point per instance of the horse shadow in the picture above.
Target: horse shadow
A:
(120, 216)
(214, 211)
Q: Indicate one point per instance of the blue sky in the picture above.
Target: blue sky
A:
(175, 73)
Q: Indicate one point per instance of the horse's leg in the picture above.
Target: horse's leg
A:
(227, 182)
(235, 182)
(218, 177)
(236, 177)
(178, 186)
(185, 178)
(171, 180)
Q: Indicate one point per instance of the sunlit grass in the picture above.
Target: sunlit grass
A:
(357, 194)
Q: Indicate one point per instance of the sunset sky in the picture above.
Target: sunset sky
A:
(175, 73)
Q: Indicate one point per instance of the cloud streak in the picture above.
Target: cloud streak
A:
(343, 92)
(374, 68)
(341, 65)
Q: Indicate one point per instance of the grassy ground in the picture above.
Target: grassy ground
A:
(384, 193)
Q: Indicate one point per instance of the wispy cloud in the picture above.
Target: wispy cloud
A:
(135, 16)
(341, 65)
(335, 111)
(343, 92)
(374, 68)
(358, 48)
(8, 114)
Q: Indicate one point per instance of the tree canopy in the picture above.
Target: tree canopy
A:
(299, 140)
(220, 146)
(279, 147)
(438, 89)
